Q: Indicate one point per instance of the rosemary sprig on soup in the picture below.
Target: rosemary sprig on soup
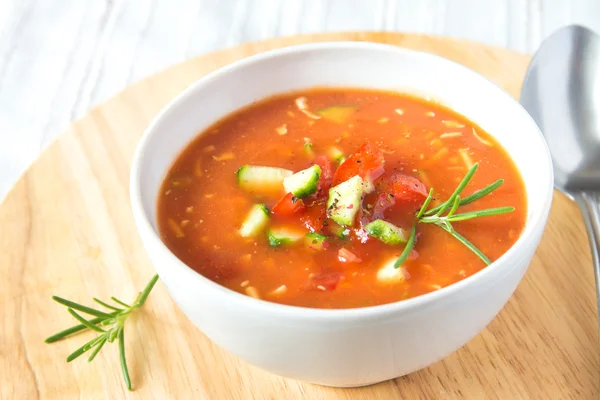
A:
(341, 198)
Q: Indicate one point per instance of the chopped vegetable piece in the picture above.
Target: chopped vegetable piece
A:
(262, 179)
(309, 150)
(175, 228)
(464, 154)
(408, 188)
(389, 274)
(482, 140)
(344, 201)
(316, 241)
(452, 124)
(283, 236)
(224, 157)
(345, 255)
(281, 130)
(325, 281)
(336, 155)
(303, 183)
(338, 230)
(384, 201)
(288, 205)
(337, 114)
(368, 185)
(303, 107)
(315, 215)
(256, 221)
(386, 232)
(326, 175)
(450, 135)
(252, 292)
(366, 162)
(280, 290)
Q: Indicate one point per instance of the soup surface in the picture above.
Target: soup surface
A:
(326, 223)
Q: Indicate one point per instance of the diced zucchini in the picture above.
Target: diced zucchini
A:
(336, 155)
(338, 230)
(262, 179)
(256, 221)
(309, 150)
(344, 201)
(284, 236)
(337, 114)
(386, 232)
(303, 183)
(388, 274)
(315, 241)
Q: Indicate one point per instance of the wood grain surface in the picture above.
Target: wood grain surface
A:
(66, 229)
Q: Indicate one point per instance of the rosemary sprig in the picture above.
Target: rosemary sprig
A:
(114, 319)
(436, 215)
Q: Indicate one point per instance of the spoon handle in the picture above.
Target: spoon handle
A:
(590, 210)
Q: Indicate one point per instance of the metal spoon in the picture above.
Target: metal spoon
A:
(562, 93)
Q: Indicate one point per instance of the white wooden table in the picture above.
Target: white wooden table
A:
(58, 58)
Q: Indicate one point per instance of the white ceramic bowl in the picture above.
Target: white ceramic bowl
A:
(359, 346)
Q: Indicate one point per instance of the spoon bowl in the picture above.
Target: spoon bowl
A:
(561, 92)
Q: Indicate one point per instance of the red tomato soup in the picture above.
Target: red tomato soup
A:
(310, 199)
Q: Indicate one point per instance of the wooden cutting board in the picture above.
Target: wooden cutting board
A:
(66, 229)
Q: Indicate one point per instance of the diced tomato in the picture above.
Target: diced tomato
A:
(408, 189)
(315, 215)
(345, 255)
(325, 281)
(288, 205)
(367, 162)
(326, 175)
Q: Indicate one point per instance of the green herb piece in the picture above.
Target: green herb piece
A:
(410, 244)
(116, 318)
(436, 215)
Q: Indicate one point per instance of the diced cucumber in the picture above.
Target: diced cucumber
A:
(262, 179)
(337, 114)
(256, 221)
(284, 236)
(338, 230)
(389, 274)
(386, 232)
(344, 200)
(368, 185)
(309, 150)
(315, 241)
(303, 183)
(336, 155)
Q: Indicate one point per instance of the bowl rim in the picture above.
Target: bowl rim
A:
(143, 224)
